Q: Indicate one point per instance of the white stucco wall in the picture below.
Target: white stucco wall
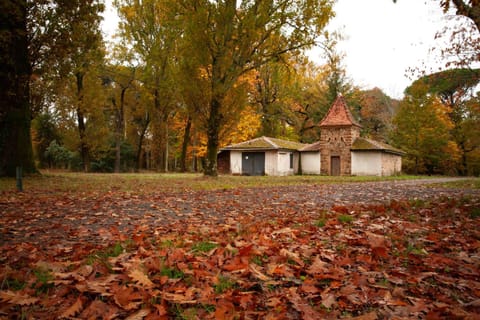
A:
(283, 168)
(311, 162)
(235, 162)
(271, 163)
(366, 163)
(391, 164)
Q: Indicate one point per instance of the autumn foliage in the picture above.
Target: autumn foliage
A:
(286, 252)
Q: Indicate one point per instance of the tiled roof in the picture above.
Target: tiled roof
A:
(339, 115)
(265, 143)
(364, 144)
(312, 147)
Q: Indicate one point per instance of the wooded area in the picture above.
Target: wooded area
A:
(188, 77)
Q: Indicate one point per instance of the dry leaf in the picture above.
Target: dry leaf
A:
(73, 310)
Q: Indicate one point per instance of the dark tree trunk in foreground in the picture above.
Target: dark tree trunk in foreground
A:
(15, 118)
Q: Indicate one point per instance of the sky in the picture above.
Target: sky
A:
(382, 40)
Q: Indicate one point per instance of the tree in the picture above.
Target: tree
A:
(455, 89)
(231, 41)
(150, 28)
(422, 129)
(44, 131)
(376, 113)
(15, 114)
(120, 79)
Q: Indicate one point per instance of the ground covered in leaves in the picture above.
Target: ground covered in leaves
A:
(363, 250)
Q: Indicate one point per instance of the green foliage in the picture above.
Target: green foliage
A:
(447, 83)
(57, 155)
(45, 132)
(422, 130)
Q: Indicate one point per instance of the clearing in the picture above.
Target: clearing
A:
(188, 247)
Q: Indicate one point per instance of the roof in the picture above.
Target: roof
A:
(266, 143)
(311, 147)
(339, 115)
(364, 144)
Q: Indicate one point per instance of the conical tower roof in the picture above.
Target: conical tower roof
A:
(339, 115)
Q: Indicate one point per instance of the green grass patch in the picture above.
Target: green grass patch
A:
(139, 183)
(475, 213)
(345, 219)
(470, 183)
(172, 273)
(320, 223)
(110, 252)
(204, 246)
(13, 284)
(44, 278)
(224, 284)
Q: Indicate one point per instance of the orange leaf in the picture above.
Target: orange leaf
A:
(225, 310)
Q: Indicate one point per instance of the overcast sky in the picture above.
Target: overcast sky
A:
(382, 39)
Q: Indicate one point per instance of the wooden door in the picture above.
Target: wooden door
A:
(335, 165)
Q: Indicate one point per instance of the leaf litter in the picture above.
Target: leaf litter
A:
(383, 251)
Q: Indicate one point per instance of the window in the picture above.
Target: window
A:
(291, 160)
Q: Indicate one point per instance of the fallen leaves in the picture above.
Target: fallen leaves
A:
(398, 259)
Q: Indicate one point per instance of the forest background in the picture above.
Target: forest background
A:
(188, 77)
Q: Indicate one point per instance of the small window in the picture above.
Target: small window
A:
(291, 160)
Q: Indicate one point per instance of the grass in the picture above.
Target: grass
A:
(175, 182)
(204, 246)
(471, 183)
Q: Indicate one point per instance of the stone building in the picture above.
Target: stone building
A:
(340, 151)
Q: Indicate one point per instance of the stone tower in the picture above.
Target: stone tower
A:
(338, 131)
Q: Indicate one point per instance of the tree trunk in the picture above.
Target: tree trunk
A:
(186, 140)
(119, 129)
(84, 149)
(15, 117)
(140, 142)
(213, 131)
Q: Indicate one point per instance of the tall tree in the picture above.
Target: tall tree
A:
(232, 40)
(149, 27)
(65, 41)
(15, 113)
(422, 129)
(455, 88)
(120, 79)
(376, 113)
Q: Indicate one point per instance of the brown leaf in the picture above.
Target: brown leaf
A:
(139, 315)
(302, 306)
(368, 316)
(74, 309)
(318, 266)
(177, 298)
(224, 310)
(141, 278)
(17, 298)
